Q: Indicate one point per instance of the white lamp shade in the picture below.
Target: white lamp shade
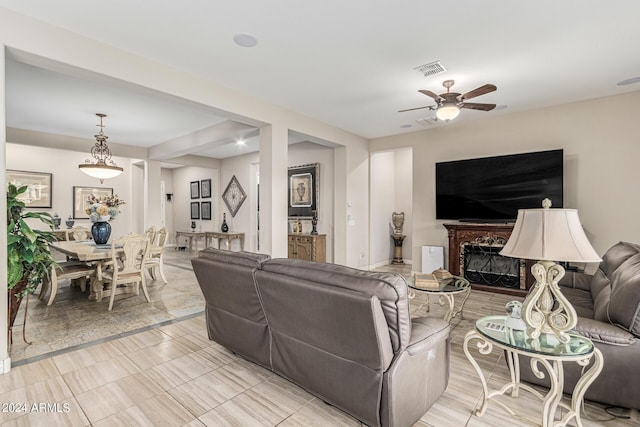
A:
(549, 235)
(100, 171)
(447, 112)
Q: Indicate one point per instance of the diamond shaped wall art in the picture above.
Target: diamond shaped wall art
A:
(234, 196)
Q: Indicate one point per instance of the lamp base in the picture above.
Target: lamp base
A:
(545, 309)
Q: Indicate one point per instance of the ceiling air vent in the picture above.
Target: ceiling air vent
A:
(428, 121)
(431, 69)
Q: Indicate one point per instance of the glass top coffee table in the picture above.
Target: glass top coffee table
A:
(446, 291)
(548, 354)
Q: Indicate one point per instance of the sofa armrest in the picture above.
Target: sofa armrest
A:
(604, 332)
(426, 332)
(576, 280)
(418, 376)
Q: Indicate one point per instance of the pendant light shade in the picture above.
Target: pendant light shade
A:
(103, 167)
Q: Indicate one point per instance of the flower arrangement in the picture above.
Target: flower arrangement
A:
(103, 208)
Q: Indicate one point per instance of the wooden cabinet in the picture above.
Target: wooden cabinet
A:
(308, 247)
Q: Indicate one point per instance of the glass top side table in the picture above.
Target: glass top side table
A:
(446, 291)
(547, 354)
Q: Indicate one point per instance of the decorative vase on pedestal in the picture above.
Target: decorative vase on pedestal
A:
(224, 228)
(101, 230)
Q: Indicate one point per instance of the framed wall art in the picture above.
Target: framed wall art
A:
(205, 188)
(80, 203)
(195, 189)
(38, 194)
(195, 210)
(234, 196)
(205, 210)
(304, 190)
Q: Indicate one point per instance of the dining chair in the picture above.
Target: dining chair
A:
(151, 234)
(71, 270)
(156, 255)
(128, 257)
(78, 233)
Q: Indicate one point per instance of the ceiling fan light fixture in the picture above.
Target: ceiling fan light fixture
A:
(448, 111)
(104, 167)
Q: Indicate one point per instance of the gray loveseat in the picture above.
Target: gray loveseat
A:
(608, 306)
(344, 335)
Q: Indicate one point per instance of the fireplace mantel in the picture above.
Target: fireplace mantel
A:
(465, 233)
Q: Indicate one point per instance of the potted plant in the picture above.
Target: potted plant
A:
(28, 256)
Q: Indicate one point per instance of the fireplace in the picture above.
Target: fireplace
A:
(474, 253)
(481, 263)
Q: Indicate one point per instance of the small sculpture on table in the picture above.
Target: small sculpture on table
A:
(56, 221)
(397, 221)
(193, 226)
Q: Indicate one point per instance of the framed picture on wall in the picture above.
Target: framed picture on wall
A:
(195, 189)
(205, 209)
(304, 189)
(205, 188)
(38, 194)
(80, 202)
(195, 210)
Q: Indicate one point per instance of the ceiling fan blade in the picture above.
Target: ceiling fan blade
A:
(478, 91)
(477, 106)
(437, 98)
(417, 108)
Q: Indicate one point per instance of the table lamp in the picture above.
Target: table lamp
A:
(548, 235)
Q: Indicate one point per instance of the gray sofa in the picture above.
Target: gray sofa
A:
(344, 335)
(608, 306)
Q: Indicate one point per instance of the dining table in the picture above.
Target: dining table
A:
(89, 252)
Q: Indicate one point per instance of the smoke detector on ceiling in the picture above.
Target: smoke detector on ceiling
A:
(430, 69)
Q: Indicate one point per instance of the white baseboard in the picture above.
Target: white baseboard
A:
(383, 263)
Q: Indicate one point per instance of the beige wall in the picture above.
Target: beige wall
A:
(63, 165)
(601, 142)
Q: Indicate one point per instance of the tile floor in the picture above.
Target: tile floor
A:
(170, 374)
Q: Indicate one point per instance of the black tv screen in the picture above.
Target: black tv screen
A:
(494, 188)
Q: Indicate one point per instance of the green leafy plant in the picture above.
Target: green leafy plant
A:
(28, 255)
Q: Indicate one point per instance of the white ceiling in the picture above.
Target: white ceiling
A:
(347, 63)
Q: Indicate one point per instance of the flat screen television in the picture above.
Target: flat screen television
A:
(492, 189)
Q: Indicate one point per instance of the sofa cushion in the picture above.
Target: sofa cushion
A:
(389, 288)
(617, 255)
(601, 305)
(234, 315)
(624, 306)
(599, 281)
(580, 300)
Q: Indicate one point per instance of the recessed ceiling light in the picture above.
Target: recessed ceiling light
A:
(240, 142)
(630, 81)
(406, 126)
(245, 40)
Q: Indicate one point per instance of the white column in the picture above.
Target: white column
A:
(153, 197)
(341, 212)
(273, 190)
(5, 360)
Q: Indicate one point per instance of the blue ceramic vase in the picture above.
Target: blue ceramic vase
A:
(101, 231)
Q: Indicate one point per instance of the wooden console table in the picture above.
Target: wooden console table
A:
(228, 236)
(190, 235)
(468, 233)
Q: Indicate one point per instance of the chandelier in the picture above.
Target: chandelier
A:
(104, 167)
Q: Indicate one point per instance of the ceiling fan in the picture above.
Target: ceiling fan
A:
(448, 104)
